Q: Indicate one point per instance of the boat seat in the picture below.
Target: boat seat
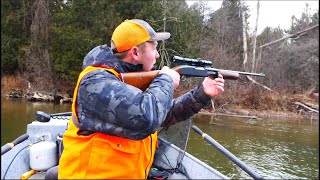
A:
(52, 173)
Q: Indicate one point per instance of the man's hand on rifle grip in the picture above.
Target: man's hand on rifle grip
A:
(173, 74)
(213, 87)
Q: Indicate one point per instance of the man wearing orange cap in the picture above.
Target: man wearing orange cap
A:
(113, 130)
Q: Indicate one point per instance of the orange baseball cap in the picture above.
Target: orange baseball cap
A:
(134, 32)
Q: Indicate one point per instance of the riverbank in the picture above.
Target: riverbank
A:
(252, 101)
(292, 109)
(252, 114)
(17, 87)
(240, 102)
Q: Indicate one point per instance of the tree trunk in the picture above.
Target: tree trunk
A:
(295, 35)
(244, 33)
(255, 39)
(38, 63)
(163, 53)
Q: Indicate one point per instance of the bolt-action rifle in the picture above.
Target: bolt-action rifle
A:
(190, 68)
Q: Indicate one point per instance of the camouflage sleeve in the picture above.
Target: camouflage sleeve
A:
(107, 105)
(186, 106)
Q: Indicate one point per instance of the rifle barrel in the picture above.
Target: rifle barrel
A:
(252, 74)
(206, 64)
(239, 72)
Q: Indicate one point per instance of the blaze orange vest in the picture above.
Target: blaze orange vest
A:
(102, 156)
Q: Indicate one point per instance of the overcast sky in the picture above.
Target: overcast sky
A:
(272, 13)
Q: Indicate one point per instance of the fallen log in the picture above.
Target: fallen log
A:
(239, 116)
(230, 115)
(306, 107)
(313, 106)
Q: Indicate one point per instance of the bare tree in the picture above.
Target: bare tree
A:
(163, 52)
(255, 39)
(245, 47)
(38, 63)
(295, 35)
(244, 35)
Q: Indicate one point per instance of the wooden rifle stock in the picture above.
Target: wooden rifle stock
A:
(142, 80)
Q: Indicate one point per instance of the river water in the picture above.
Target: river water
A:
(276, 148)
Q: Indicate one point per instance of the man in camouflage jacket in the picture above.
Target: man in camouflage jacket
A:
(113, 129)
(106, 105)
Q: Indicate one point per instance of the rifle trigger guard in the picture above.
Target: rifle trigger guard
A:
(183, 78)
(212, 76)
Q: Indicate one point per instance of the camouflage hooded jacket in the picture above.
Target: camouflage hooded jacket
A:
(107, 105)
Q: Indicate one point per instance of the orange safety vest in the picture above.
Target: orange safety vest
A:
(102, 156)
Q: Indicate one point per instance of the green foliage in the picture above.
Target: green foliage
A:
(184, 24)
(10, 55)
(14, 34)
(223, 36)
(269, 34)
(304, 22)
(151, 12)
(77, 29)
(69, 46)
(78, 26)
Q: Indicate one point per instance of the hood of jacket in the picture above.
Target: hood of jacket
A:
(103, 55)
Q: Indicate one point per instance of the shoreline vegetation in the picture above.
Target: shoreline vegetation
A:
(251, 103)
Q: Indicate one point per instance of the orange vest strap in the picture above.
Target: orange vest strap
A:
(75, 122)
(82, 74)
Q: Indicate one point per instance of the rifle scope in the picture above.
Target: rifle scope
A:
(191, 62)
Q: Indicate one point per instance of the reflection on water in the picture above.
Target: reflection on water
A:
(17, 113)
(277, 148)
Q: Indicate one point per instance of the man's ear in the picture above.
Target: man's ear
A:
(135, 50)
(134, 54)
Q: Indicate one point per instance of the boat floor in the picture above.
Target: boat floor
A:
(41, 175)
(13, 166)
(38, 175)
